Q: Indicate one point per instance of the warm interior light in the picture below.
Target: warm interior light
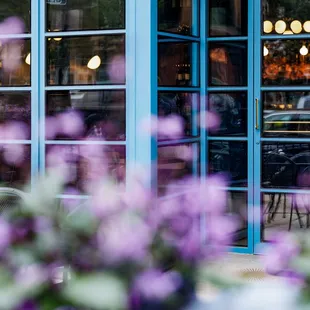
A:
(304, 51)
(94, 62)
(57, 39)
(28, 59)
(266, 51)
(280, 26)
(296, 26)
(268, 26)
(288, 32)
(307, 26)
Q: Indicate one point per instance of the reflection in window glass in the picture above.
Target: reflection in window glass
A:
(237, 205)
(231, 159)
(284, 164)
(103, 111)
(87, 163)
(185, 105)
(85, 15)
(176, 16)
(20, 9)
(286, 62)
(86, 60)
(176, 64)
(232, 110)
(285, 17)
(228, 64)
(15, 106)
(15, 165)
(282, 212)
(228, 18)
(15, 63)
(176, 162)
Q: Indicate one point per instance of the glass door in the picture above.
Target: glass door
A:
(282, 117)
(229, 95)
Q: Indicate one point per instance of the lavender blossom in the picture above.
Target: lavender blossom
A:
(154, 284)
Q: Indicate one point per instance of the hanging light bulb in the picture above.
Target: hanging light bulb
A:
(268, 26)
(280, 26)
(57, 39)
(296, 26)
(288, 32)
(307, 26)
(304, 51)
(94, 63)
(266, 51)
(28, 59)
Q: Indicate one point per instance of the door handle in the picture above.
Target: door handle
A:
(257, 114)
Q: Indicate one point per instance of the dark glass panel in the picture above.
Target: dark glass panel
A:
(285, 16)
(86, 163)
(230, 158)
(103, 111)
(282, 212)
(15, 106)
(15, 63)
(228, 18)
(232, 110)
(228, 64)
(237, 205)
(15, 165)
(20, 9)
(286, 62)
(176, 16)
(176, 64)
(86, 60)
(176, 162)
(66, 15)
(284, 164)
(182, 104)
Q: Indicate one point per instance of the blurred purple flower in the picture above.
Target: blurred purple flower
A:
(154, 284)
(136, 196)
(124, 238)
(184, 152)
(11, 55)
(51, 127)
(71, 124)
(116, 69)
(28, 305)
(14, 130)
(14, 154)
(169, 127)
(5, 233)
(42, 224)
(283, 248)
(11, 25)
(32, 275)
(211, 120)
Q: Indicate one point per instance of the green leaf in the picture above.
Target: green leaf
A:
(96, 291)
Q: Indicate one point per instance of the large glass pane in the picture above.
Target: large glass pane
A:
(63, 15)
(231, 159)
(15, 165)
(178, 64)
(285, 164)
(103, 111)
(286, 62)
(176, 162)
(228, 64)
(15, 106)
(176, 16)
(186, 105)
(85, 163)
(86, 60)
(228, 18)
(232, 110)
(282, 212)
(20, 9)
(237, 205)
(285, 17)
(15, 63)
